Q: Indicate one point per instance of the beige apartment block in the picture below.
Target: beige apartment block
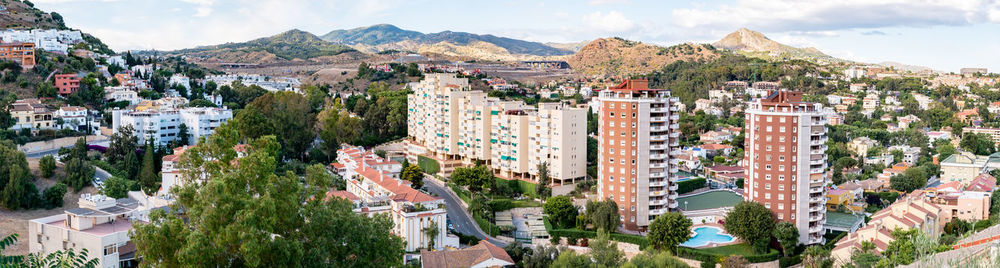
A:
(451, 123)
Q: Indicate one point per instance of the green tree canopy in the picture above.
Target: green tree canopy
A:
(247, 215)
(603, 214)
(787, 235)
(669, 230)
(561, 211)
(751, 222)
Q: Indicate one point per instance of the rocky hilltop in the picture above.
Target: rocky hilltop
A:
(617, 56)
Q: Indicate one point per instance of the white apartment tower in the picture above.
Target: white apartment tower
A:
(638, 138)
(786, 157)
(450, 121)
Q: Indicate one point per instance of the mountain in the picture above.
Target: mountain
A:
(383, 37)
(293, 45)
(908, 68)
(617, 56)
(25, 16)
(569, 46)
(755, 44)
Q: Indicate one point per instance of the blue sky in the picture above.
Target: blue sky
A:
(944, 35)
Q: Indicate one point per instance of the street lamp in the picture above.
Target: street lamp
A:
(685, 205)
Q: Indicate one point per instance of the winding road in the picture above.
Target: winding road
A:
(459, 216)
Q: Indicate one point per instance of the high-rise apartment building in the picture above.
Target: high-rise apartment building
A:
(638, 139)
(163, 125)
(785, 158)
(449, 121)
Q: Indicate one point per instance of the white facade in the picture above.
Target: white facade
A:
(50, 40)
(122, 93)
(162, 126)
(75, 118)
(179, 79)
(452, 121)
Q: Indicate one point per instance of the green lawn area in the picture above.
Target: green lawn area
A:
(463, 194)
(430, 166)
(736, 249)
(526, 203)
(709, 200)
(523, 187)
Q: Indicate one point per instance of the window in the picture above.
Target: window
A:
(767, 186)
(767, 205)
(781, 196)
(612, 114)
(781, 206)
(767, 195)
(766, 167)
(611, 178)
(111, 249)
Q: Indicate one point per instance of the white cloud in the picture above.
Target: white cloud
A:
(204, 8)
(612, 21)
(819, 15)
(606, 2)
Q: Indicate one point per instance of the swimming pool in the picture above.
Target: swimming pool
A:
(705, 235)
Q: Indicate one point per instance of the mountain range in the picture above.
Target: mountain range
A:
(386, 36)
(755, 44)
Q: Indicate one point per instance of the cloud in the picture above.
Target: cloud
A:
(820, 15)
(204, 8)
(612, 21)
(875, 32)
(814, 33)
(606, 2)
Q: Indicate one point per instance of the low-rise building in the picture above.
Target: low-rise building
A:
(76, 118)
(963, 167)
(352, 158)
(716, 137)
(482, 255)
(162, 126)
(31, 114)
(121, 93)
(909, 212)
(100, 224)
(66, 83)
(20, 52)
(861, 145)
(910, 153)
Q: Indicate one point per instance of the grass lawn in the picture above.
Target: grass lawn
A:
(523, 187)
(738, 249)
(463, 194)
(709, 200)
(430, 166)
(526, 203)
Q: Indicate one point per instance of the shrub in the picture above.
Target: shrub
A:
(501, 204)
(690, 185)
(700, 255)
(554, 239)
(53, 196)
(48, 166)
(789, 261)
(571, 240)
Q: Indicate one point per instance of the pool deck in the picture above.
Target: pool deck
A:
(736, 240)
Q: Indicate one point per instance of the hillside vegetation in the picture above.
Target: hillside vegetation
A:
(617, 56)
(382, 37)
(287, 46)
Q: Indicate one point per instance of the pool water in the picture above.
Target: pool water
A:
(705, 235)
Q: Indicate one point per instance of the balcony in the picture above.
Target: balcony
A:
(658, 202)
(658, 119)
(815, 229)
(658, 165)
(672, 205)
(816, 142)
(672, 187)
(674, 170)
(660, 183)
(657, 156)
(657, 175)
(675, 135)
(816, 170)
(816, 208)
(815, 218)
(816, 240)
(675, 161)
(673, 195)
(675, 117)
(658, 147)
(657, 193)
(658, 128)
(674, 143)
(817, 200)
(659, 211)
(658, 137)
(658, 110)
(673, 108)
(675, 153)
(817, 162)
(675, 99)
(674, 126)
(816, 190)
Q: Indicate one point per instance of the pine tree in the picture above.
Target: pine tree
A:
(182, 135)
(147, 177)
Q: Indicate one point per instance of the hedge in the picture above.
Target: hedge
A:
(700, 255)
(461, 193)
(789, 261)
(523, 187)
(690, 185)
(501, 204)
(577, 233)
(487, 226)
(466, 239)
(430, 166)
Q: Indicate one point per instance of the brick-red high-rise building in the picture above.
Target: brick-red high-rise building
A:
(637, 134)
(785, 160)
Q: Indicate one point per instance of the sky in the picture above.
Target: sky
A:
(942, 34)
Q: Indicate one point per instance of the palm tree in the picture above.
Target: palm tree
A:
(431, 231)
(9, 261)
(61, 259)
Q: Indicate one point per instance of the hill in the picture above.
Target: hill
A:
(21, 15)
(755, 44)
(382, 37)
(617, 56)
(293, 45)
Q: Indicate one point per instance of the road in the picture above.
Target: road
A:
(460, 218)
(99, 174)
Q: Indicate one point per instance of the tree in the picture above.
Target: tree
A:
(148, 179)
(911, 179)
(53, 196)
(290, 118)
(414, 175)
(183, 137)
(431, 231)
(655, 259)
(543, 189)
(604, 252)
(63, 259)
(570, 259)
(123, 142)
(751, 222)
(79, 174)
(48, 166)
(603, 214)
(669, 230)
(9, 261)
(816, 257)
(116, 187)
(542, 256)
(478, 178)
(735, 261)
(336, 126)
(561, 211)
(787, 235)
(977, 143)
(19, 193)
(270, 219)
(130, 166)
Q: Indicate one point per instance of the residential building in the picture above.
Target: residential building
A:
(786, 153)
(353, 157)
(22, 53)
(482, 255)
(51, 40)
(31, 114)
(715, 149)
(870, 102)
(923, 101)
(963, 167)
(458, 126)
(716, 137)
(908, 212)
(180, 80)
(719, 96)
(968, 206)
(843, 198)
(122, 93)
(861, 145)
(854, 72)
(972, 71)
(910, 154)
(858, 87)
(638, 140)
(983, 183)
(100, 224)
(162, 126)
(76, 118)
(411, 210)
(905, 121)
(66, 83)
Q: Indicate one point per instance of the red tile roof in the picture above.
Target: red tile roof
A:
(342, 194)
(467, 257)
(400, 188)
